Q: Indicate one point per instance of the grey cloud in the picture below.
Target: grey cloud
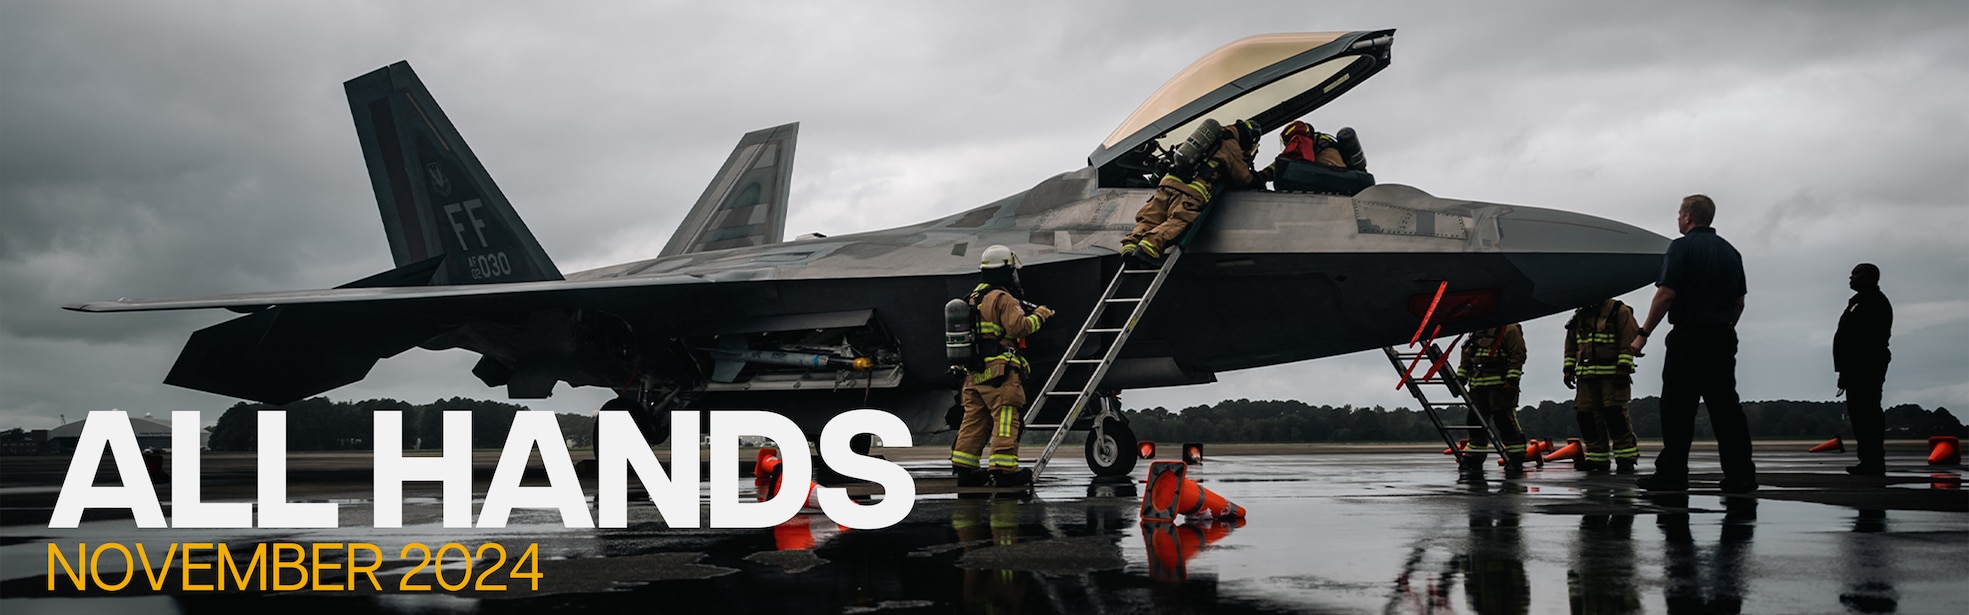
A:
(201, 148)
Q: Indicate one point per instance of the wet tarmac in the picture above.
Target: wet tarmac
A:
(1373, 532)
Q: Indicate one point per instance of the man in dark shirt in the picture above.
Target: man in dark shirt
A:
(1859, 354)
(1701, 292)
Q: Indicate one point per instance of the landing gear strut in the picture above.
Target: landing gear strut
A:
(1111, 444)
(654, 425)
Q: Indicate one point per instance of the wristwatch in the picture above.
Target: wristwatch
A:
(1643, 332)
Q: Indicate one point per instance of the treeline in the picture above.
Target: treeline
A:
(1244, 420)
(319, 424)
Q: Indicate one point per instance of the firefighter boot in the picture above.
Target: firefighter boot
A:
(1147, 254)
(1472, 465)
(972, 477)
(1514, 465)
(1623, 465)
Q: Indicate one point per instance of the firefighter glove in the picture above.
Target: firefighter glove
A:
(1043, 312)
(1568, 380)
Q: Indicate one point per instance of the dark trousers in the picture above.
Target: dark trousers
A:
(1869, 421)
(1702, 365)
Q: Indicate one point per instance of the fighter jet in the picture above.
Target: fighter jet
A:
(732, 315)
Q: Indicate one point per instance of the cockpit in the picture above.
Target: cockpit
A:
(1272, 79)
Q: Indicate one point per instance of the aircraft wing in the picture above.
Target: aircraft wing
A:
(248, 302)
(745, 205)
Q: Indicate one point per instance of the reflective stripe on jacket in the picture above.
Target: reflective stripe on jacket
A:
(1002, 319)
(1598, 340)
(1493, 357)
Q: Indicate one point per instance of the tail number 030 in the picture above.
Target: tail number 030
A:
(486, 266)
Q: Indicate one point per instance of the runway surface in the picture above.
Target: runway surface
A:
(1388, 530)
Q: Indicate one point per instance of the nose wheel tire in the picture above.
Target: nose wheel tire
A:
(1111, 448)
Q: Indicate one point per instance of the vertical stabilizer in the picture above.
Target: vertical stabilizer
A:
(745, 205)
(435, 197)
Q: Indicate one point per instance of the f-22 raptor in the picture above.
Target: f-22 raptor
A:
(731, 315)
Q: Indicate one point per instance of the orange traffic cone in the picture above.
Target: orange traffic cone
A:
(1146, 449)
(1460, 445)
(1572, 450)
(1170, 493)
(1172, 546)
(1193, 453)
(759, 466)
(1946, 451)
(1835, 445)
(772, 481)
(804, 531)
(767, 469)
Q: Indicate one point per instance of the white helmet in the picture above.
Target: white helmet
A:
(998, 256)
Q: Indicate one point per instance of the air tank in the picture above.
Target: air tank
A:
(1350, 148)
(1200, 145)
(959, 340)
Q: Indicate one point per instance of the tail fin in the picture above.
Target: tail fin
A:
(745, 205)
(435, 197)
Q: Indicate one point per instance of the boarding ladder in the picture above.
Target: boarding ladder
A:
(1434, 360)
(1076, 380)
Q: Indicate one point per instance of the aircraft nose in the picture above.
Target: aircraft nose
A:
(1574, 259)
(1533, 229)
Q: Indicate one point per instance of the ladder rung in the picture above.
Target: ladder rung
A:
(1141, 271)
(1071, 393)
(1104, 330)
(1124, 300)
(1463, 427)
(1085, 361)
(1043, 426)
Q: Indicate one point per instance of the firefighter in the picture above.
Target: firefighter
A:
(1178, 201)
(1301, 142)
(994, 389)
(1601, 366)
(1493, 362)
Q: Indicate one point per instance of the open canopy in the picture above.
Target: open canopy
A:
(1269, 78)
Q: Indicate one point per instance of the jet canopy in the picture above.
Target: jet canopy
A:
(1269, 78)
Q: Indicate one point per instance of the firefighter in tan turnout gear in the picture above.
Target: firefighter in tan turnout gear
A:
(1493, 362)
(1599, 361)
(1223, 163)
(994, 388)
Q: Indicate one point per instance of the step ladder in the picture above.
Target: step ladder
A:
(1438, 373)
(1076, 380)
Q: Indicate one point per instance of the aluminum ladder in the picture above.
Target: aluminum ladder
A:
(1126, 289)
(1439, 374)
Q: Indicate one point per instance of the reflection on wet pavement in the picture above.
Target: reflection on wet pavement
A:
(1355, 533)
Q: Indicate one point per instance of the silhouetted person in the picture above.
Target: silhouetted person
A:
(1701, 292)
(1859, 355)
(1685, 586)
(1869, 571)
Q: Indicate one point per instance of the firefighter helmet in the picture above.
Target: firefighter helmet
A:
(998, 256)
(1295, 128)
(1247, 134)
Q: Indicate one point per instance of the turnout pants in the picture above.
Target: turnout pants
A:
(1869, 420)
(1702, 365)
(1163, 219)
(1499, 407)
(1604, 424)
(991, 414)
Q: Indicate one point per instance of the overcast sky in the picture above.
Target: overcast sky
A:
(201, 148)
